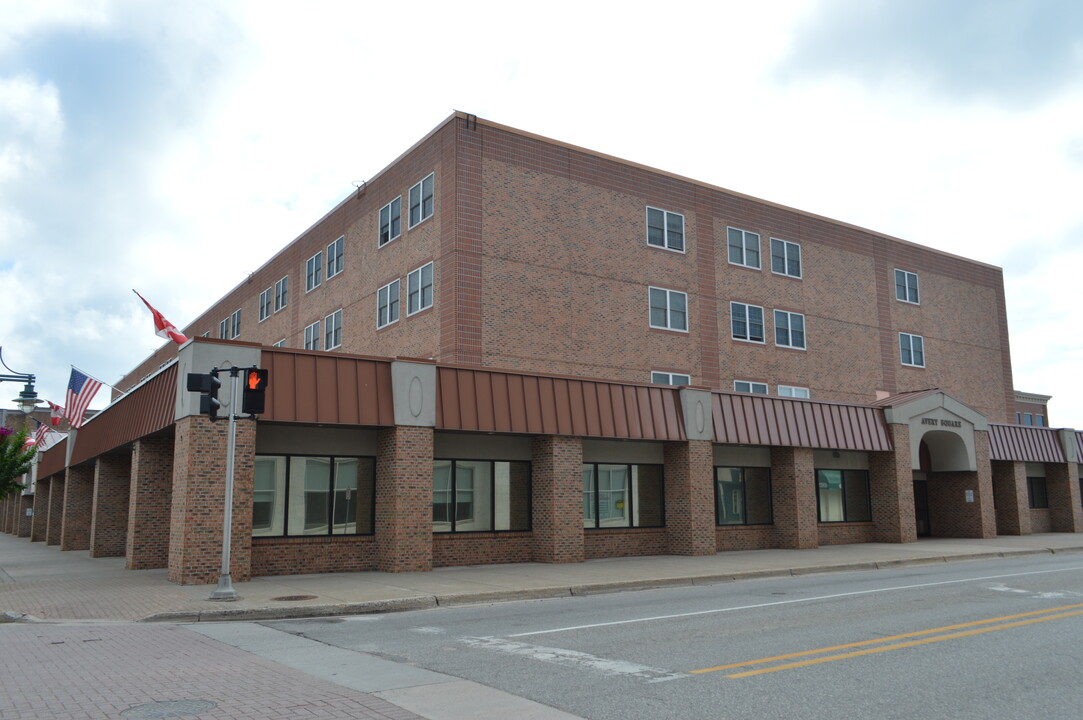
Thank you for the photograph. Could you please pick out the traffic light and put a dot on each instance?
(253, 394)
(207, 384)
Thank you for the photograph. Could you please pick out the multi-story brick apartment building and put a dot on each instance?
(462, 356)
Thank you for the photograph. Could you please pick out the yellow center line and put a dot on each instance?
(912, 643)
(883, 639)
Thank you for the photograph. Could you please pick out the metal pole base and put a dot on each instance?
(224, 591)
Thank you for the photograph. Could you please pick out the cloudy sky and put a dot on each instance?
(173, 147)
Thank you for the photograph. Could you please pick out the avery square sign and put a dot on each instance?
(942, 423)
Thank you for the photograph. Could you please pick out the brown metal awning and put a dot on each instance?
(1021, 443)
(762, 420)
(316, 387)
(489, 401)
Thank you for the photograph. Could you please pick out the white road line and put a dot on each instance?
(787, 602)
(572, 658)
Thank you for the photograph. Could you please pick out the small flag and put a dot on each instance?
(162, 327)
(42, 431)
(81, 390)
(56, 413)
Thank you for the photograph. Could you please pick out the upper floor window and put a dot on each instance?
(282, 292)
(666, 378)
(312, 336)
(223, 329)
(789, 329)
(1039, 420)
(280, 343)
(421, 200)
(785, 258)
(390, 221)
(419, 289)
(387, 304)
(912, 350)
(665, 229)
(744, 247)
(746, 322)
(314, 271)
(906, 286)
(335, 261)
(745, 386)
(622, 496)
(791, 391)
(332, 330)
(669, 309)
(235, 324)
(265, 304)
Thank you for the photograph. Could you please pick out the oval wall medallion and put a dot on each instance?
(701, 420)
(417, 398)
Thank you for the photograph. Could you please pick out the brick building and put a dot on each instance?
(504, 348)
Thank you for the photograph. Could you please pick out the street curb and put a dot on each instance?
(370, 607)
(622, 585)
(812, 570)
(456, 599)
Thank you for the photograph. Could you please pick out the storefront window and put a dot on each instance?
(480, 495)
(742, 496)
(622, 496)
(843, 495)
(303, 495)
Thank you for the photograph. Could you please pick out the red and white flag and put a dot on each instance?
(42, 431)
(56, 413)
(81, 390)
(162, 327)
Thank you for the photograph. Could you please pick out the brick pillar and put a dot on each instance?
(689, 493)
(198, 501)
(5, 514)
(557, 495)
(40, 521)
(109, 518)
(1011, 500)
(56, 510)
(891, 481)
(78, 498)
(404, 498)
(1062, 487)
(26, 505)
(150, 497)
(793, 497)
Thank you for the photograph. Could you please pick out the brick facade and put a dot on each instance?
(1010, 496)
(793, 498)
(689, 494)
(150, 500)
(891, 484)
(56, 510)
(1062, 488)
(109, 521)
(78, 504)
(39, 523)
(404, 499)
(558, 499)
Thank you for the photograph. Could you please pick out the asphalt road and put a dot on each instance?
(983, 639)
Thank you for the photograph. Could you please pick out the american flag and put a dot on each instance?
(39, 436)
(81, 390)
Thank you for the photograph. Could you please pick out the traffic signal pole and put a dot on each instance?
(225, 590)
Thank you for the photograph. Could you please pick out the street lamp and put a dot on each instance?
(28, 399)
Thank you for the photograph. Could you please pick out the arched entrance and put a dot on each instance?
(942, 455)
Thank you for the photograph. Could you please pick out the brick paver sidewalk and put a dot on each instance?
(62, 672)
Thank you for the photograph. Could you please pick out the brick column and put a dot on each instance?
(198, 501)
(793, 497)
(6, 513)
(557, 495)
(1062, 487)
(40, 521)
(891, 480)
(78, 499)
(109, 517)
(689, 493)
(1010, 495)
(404, 498)
(150, 497)
(56, 510)
(26, 503)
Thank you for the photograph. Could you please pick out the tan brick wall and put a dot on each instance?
(150, 503)
(109, 524)
(689, 498)
(557, 481)
(404, 499)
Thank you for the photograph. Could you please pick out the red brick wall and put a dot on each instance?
(109, 524)
(39, 524)
(1062, 487)
(846, 533)
(949, 513)
(746, 537)
(150, 503)
(689, 498)
(26, 502)
(450, 549)
(625, 542)
(1040, 521)
(1012, 503)
(557, 492)
(793, 497)
(404, 499)
(891, 484)
(302, 555)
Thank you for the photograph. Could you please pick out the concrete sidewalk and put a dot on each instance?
(39, 582)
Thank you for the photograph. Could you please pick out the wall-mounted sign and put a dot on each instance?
(942, 423)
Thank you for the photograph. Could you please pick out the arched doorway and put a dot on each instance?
(942, 503)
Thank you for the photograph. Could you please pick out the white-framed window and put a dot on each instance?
(744, 247)
(906, 287)
(668, 378)
(314, 272)
(332, 330)
(312, 336)
(387, 304)
(282, 293)
(746, 322)
(235, 324)
(785, 258)
(665, 229)
(793, 392)
(668, 309)
(390, 221)
(335, 261)
(789, 329)
(280, 343)
(1039, 420)
(223, 329)
(419, 289)
(421, 200)
(747, 386)
(265, 304)
(912, 350)
(206, 334)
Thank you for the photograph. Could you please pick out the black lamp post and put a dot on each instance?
(28, 399)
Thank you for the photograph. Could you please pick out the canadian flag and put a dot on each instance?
(162, 327)
(55, 413)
